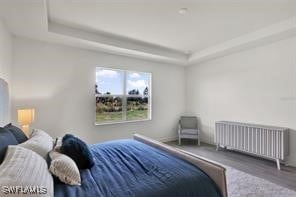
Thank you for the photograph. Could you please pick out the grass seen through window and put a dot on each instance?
(122, 96)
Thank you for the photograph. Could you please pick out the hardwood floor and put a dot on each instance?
(262, 168)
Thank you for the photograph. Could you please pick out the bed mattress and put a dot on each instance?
(130, 168)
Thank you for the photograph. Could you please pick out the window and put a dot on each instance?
(122, 96)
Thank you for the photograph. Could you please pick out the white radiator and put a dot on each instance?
(265, 141)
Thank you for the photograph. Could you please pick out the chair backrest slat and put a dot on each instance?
(188, 122)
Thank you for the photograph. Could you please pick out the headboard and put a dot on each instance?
(4, 102)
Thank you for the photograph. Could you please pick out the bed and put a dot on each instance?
(139, 167)
(144, 167)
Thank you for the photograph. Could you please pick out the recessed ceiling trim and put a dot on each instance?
(263, 36)
(117, 42)
(134, 48)
(83, 35)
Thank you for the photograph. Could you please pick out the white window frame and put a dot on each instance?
(124, 97)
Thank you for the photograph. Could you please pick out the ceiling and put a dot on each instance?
(207, 22)
(152, 29)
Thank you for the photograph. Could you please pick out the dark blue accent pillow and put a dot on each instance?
(17, 132)
(6, 138)
(78, 150)
(67, 136)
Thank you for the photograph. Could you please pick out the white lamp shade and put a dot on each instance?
(25, 116)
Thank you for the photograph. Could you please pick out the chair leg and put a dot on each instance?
(179, 141)
(198, 141)
(217, 147)
(278, 164)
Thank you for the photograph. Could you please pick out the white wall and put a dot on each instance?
(257, 86)
(5, 52)
(59, 82)
(5, 55)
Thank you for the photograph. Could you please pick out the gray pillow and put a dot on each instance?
(27, 170)
(39, 142)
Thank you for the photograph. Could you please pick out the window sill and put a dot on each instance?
(121, 122)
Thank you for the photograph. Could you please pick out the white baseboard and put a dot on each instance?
(290, 162)
(207, 141)
(168, 139)
(174, 138)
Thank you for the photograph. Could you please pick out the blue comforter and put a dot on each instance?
(130, 168)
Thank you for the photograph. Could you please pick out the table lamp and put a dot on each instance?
(25, 117)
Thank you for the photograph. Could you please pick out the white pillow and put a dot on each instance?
(25, 171)
(64, 168)
(39, 142)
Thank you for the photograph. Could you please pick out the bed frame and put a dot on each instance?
(214, 170)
